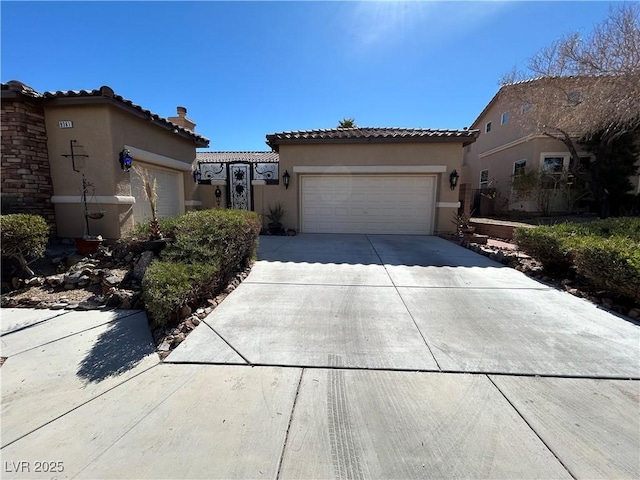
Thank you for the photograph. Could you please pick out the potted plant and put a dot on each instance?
(156, 240)
(276, 212)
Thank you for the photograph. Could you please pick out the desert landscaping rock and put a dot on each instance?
(55, 280)
(184, 312)
(142, 264)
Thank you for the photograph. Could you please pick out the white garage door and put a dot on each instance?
(169, 194)
(368, 204)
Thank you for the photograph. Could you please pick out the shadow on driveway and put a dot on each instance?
(124, 344)
(397, 250)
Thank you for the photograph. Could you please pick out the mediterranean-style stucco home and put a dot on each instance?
(344, 180)
(505, 149)
(59, 146)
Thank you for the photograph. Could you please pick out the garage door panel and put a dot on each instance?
(168, 203)
(367, 204)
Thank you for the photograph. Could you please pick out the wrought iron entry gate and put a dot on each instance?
(240, 186)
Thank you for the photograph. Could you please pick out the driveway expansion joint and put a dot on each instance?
(230, 346)
(531, 427)
(20, 329)
(405, 305)
(409, 370)
(286, 435)
(117, 318)
(79, 406)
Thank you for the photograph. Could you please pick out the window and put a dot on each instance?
(484, 179)
(553, 165)
(552, 168)
(487, 127)
(505, 118)
(526, 106)
(519, 167)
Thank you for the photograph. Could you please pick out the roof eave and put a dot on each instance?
(275, 142)
(199, 141)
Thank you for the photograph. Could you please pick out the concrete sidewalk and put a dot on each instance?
(84, 395)
(69, 412)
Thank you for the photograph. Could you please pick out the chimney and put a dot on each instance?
(181, 120)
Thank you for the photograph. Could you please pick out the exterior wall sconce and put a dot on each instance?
(218, 195)
(285, 179)
(197, 176)
(453, 180)
(125, 160)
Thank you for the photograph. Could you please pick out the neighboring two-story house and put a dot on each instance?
(505, 149)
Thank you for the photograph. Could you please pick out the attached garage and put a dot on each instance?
(368, 180)
(400, 204)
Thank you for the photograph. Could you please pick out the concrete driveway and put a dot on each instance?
(339, 357)
(412, 303)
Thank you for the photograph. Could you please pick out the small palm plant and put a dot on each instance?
(462, 221)
(150, 189)
(347, 123)
(276, 212)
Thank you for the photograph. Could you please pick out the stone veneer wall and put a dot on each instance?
(26, 176)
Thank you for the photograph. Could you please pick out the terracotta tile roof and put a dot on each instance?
(20, 88)
(107, 92)
(228, 157)
(371, 134)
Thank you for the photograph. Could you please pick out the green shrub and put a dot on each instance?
(167, 286)
(208, 248)
(229, 237)
(23, 236)
(611, 264)
(622, 226)
(550, 245)
(606, 252)
(142, 231)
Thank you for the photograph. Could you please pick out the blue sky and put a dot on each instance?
(247, 69)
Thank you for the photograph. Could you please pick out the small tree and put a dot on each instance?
(616, 168)
(546, 188)
(23, 236)
(347, 123)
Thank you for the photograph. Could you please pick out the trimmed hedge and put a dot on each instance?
(168, 286)
(550, 245)
(142, 231)
(23, 236)
(611, 264)
(606, 252)
(208, 248)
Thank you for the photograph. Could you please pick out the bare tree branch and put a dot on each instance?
(583, 87)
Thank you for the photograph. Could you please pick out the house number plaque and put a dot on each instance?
(65, 124)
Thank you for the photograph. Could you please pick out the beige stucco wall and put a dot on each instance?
(486, 154)
(101, 131)
(357, 154)
(206, 194)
